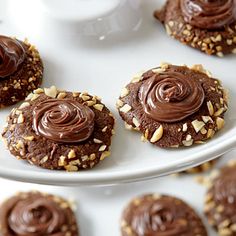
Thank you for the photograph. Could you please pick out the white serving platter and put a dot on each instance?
(102, 64)
(99, 210)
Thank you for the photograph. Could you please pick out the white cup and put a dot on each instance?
(97, 18)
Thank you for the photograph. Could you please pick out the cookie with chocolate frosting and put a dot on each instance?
(39, 214)
(160, 215)
(21, 70)
(60, 130)
(174, 106)
(220, 200)
(209, 26)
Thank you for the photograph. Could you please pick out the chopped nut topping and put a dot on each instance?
(198, 67)
(84, 97)
(225, 232)
(126, 108)
(98, 107)
(210, 133)
(75, 162)
(229, 41)
(203, 131)
(61, 161)
(104, 129)
(102, 148)
(128, 126)
(206, 119)
(219, 111)
(220, 208)
(124, 92)
(220, 54)
(104, 155)
(210, 108)
(18, 112)
(185, 127)
(71, 154)
(29, 138)
(20, 145)
(38, 90)
(137, 77)
(136, 122)
(233, 227)
(71, 168)
(51, 92)
(90, 103)
(84, 158)
(34, 97)
(157, 135)
(43, 160)
(75, 94)
(24, 105)
(20, 119)
(146, 133)
(92, 157)
(128, 230)
(198, 125)
(171, 23)
(188, 141)
(29, 96)
(168, 30)
(97, 140)
(119, 103)
(164, 65)
(188, 137)
(220, 123)
(143, 139)
(61, 95)
(158, 70)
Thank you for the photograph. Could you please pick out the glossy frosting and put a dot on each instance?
(63, 120)
(164, 217)
(12, 54)
(34, 215)
(209, 14)
(171, 96)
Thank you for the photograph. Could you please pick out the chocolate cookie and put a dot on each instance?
(60, 130)
(35, 213)
(155, 214)
(174, 105)
(220, 201)
(21, 70)
(209, 26)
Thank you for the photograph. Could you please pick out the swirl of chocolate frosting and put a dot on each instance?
(171, 96)
(63, 120)
(34, 215)
(12, 55)
(166, 216)
(209, 14)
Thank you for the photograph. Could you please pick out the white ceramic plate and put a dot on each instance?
(99, 209)
(78, 62)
